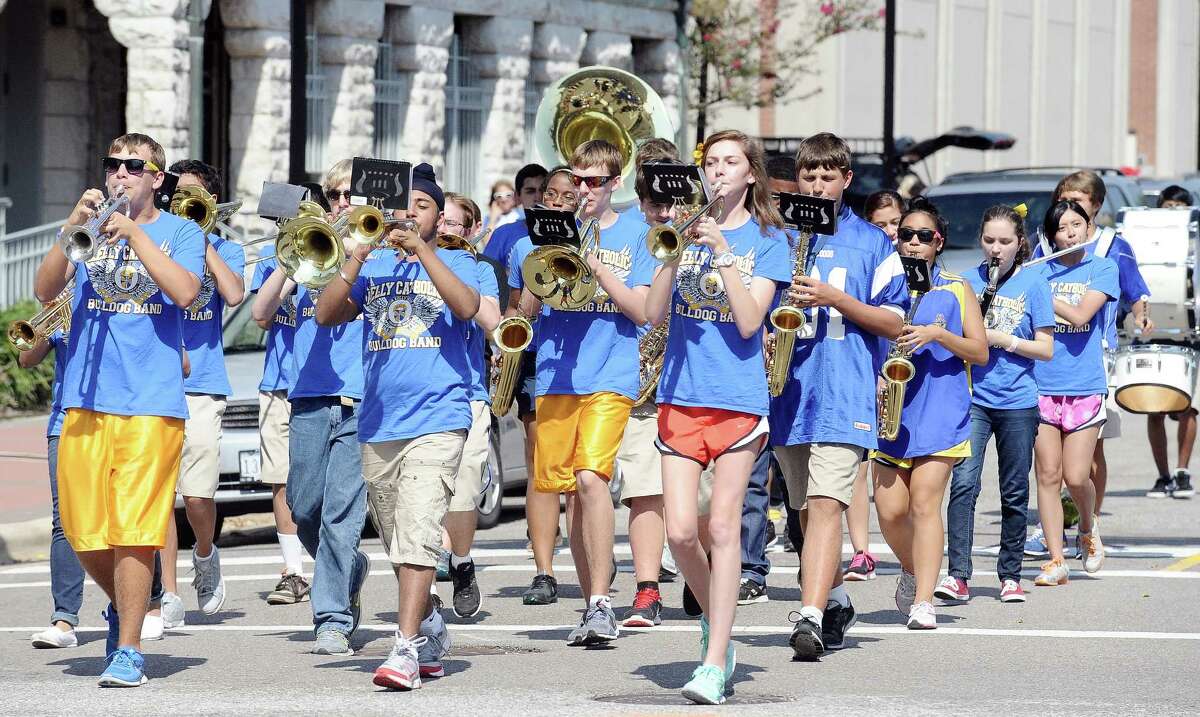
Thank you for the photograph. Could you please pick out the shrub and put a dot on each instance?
(23, 389)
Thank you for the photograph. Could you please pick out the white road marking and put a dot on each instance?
(693, 628)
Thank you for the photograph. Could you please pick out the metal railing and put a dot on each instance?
(20, 254)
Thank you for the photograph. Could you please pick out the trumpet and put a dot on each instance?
(79, 240)
(511, 336)
(787, 320)
(559, 275)
(897, 371)
(454, 241)
(54, 316)
(667, 242)
(196, 204)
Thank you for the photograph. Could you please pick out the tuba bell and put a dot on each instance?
(511, 336)
(600, 103)
(195, 203)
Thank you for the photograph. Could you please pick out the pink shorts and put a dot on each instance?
(1072, 413)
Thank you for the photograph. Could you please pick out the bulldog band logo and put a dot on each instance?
(671, 183)
(118, 279)
(380, 182)
(401, 313)
(800, 211)
(208, 284)
(549, 227)
(703, 290)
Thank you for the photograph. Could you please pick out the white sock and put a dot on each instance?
(430, 624)
(1181, 469)
(815, 614)
(206, 558)
(290, 546)
(598, 599)
(456, 561)
(840, 596)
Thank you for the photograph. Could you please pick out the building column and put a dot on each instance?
(348, 33)
(657, 62)
(258, 39)
(421, 36)
(155, 32)
(613, 49)
(556, 51)
(501, 47)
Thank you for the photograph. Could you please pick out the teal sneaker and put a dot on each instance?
(125, 669)
(707, 686)
(730, 652)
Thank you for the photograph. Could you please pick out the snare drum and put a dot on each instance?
(1154, 378)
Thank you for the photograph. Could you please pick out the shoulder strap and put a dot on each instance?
(1105, 242)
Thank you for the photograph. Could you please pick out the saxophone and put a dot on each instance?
(511, 336)
(787, 319)
(897, 371)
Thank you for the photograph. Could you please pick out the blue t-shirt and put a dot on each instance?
(202, 326)
(707, 362)
(413, 348)
(937, 401)
(1077, 368)
(328, 361)
(278, 362)
(501, 243)
(830, 396)
(593, 349)
(58, 342)
(1021, 307)
(486, 283)
(127, 336)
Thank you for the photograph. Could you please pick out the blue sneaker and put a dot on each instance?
(707, 686)
(1035, 547)
(114, 632)
(126, 669)
(730, 652)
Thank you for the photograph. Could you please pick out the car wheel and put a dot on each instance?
(491, 504)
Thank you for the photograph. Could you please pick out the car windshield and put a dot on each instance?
(240, 333)
(964, 211)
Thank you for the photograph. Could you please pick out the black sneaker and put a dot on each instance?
(646, 610)
(1162, 487)
(466, 600)
(772, 537)
(806, 638)
(751, 592)
(691, 608)
(837, 622)
(542, 591)
(1183, 485)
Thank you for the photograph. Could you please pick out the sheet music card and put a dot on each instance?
(383, 183)
(672, 183)
(801, 211)
(280, 200)
(551, 226)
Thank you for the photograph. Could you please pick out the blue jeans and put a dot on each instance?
(1015, 430)
(755, 565)
(328, 499)
(66, 574)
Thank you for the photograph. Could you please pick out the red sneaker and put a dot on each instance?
(1010, 591)
(952, 588)
(646, 610)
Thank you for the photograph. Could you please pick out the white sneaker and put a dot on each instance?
(1054, 572)
(1093, 555)
(152, 627)
(173, 613)
(52, 638)
(922, 617)
(209, 583)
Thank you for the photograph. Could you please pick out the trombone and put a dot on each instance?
(667, 242)
(54, 316)
(559, 275)
(195, 203)
(79, 240)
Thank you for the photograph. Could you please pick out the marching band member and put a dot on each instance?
(416, 408)
(325, 489)
(206, 388)
(587, 379)
(943, 337)
(1072, 387)
(713, 392)
(824, 421)
(460, 217)
(122, 436)
(1004, 400)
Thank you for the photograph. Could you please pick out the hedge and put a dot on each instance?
(23, 389)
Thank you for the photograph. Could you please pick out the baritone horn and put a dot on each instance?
(54, 316)
(79, 240)
(512, 336)
(559, 275)
(195, 203)
(787, 320)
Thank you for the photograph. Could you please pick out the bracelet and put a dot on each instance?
(1012, 345)
(345, 278)
(360, 261)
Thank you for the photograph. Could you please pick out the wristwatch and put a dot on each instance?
(722, 260)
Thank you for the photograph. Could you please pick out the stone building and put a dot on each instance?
(452, 82)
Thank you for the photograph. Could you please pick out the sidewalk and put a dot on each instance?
(24, 490)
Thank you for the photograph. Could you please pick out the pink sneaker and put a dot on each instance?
(952, 588)
(862, 567)
(1011, 591)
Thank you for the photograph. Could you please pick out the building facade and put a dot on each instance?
(452, 82)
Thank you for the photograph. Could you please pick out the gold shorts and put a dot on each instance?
(116, 478)
(576, 433)
(962, 450)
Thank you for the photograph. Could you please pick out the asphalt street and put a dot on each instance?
(1126, 641)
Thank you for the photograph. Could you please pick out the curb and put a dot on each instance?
(25, 541)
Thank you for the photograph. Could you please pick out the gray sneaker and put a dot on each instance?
(599, 625)
(332, 642)
(173, 614)
(209, 584)
(906, 592)
(434, 648)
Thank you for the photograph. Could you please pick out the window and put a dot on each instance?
(464, 122)
(391, 100)
(533, 97)
(317, 122)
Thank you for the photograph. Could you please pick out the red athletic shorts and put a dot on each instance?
(703, 434)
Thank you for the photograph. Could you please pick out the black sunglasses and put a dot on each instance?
(925, 236)
(133, 165)
(333, 195)
(593, 182)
